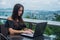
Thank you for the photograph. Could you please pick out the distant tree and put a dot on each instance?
(0, 22)
(56, 29)
(27, 16)
(48, 30)
(34, 17)
(57, 17)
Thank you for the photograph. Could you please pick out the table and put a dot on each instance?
(24, 38)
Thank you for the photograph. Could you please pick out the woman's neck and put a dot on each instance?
(17, 20)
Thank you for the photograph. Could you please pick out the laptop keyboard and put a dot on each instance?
(31, 35)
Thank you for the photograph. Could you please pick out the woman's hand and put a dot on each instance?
(27, 32)
(31, 30)
(26, 29)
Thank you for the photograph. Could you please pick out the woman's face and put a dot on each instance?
(20, 11)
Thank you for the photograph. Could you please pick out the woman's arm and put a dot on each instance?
(12, 31)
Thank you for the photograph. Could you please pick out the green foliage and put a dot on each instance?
(27, 16)
(52, 29)
(0, 22)
(27, 24)
(34, 17)
(56, 29)
(57, 17)
(48, 30)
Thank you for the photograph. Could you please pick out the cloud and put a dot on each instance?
(34, 4)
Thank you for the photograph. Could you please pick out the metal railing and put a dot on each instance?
(54, 23)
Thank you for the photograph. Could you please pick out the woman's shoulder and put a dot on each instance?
(10, 18)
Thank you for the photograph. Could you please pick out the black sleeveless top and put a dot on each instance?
(11, 24)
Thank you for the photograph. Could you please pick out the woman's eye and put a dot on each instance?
(20, 10)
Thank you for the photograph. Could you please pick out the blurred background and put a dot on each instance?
(36, 9)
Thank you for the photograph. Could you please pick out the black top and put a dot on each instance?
(11, 24)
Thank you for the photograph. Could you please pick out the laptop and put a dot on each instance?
(39, 30)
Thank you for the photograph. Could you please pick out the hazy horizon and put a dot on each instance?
(48, 5)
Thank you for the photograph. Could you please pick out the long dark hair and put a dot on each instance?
(15, 13)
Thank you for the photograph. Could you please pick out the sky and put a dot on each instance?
(32, 4)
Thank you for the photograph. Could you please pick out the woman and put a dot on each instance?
(15, 23)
